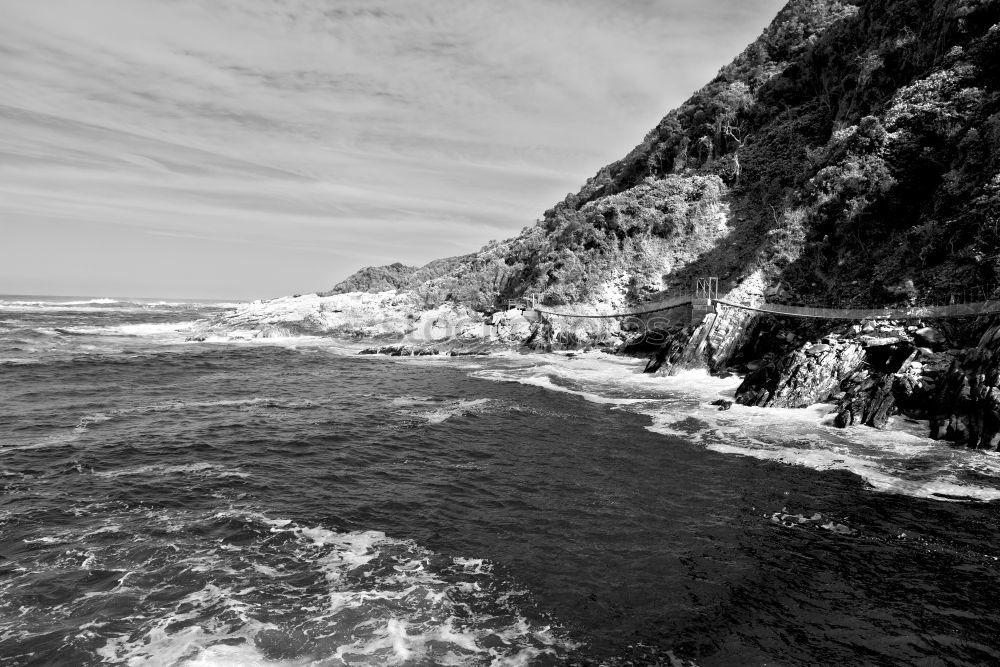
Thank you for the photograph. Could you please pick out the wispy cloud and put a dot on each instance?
(397, 130)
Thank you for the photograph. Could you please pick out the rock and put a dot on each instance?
(800, 378)
(689, 425)
(869, 400)
(540, 336)
(759, 387)
(401, 351)
(817, 349)
(991, 338)
(875, 341)
(966, 400)
(723, 404)
(670, 352)
(932, 338)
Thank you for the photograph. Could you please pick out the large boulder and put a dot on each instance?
(869, 399)
(540, 336)
(930, 338)
(809, 374)
(671, 350)
(966, 405)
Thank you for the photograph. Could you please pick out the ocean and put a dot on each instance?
(286, 501)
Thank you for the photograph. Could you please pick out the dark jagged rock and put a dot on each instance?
(759, 386)
(723, 404)
(881, 372)
(651, 341)
(401, 351)
(869, 399)
(540, 337)
(930, 338)
(802, 377)
(878, 341)
(670, 351)
(967, 400)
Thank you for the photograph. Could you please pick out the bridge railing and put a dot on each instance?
(705, 292)
(647, 309)
(906, 313)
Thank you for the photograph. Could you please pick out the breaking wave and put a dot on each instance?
(272, 591)
(437, 410)
(899, 459)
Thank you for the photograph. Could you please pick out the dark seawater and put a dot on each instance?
(288, 502)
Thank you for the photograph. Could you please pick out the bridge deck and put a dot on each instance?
(911, 313)
(657, 307)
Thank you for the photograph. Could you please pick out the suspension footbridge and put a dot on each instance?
(704, 299)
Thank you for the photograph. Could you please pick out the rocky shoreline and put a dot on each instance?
(946, 373)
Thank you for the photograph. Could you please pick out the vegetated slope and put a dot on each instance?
(375, 279)
(850, 154)
(396, 276)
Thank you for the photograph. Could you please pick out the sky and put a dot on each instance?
(240, 149)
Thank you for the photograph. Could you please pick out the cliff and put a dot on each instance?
(850, 156)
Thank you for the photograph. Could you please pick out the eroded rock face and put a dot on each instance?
(930, 338)
(966, 403)
(401, 351)
(810, 374)
(869, 399)
(540, 336)
(670, 351)
(880, 369)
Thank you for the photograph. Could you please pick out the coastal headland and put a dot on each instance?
(848, 159)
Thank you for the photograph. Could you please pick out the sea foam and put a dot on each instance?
(385, 601)
(899, 459)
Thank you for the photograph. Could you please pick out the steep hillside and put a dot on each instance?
(375, 279)
(850, 156)
(396, 276)
(853, 147)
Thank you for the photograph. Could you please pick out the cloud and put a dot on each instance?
(421, 126)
